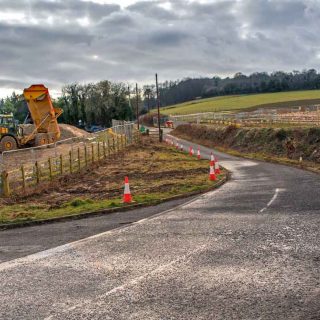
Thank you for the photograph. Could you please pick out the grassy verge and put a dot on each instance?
(258, 155)
(157, 173)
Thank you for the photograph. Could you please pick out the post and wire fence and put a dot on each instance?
(27, 168)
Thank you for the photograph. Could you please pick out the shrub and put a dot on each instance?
(281, 135)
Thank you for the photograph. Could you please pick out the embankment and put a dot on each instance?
(290, 144)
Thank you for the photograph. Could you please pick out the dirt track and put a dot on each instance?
(14, 160)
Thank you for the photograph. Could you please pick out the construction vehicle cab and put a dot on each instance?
(8, 130)
(44, 116)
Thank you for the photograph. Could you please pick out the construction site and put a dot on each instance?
(198, 194)
(159, 160)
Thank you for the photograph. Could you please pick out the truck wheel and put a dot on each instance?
(40, 140)
(51, 138)
(8, 143)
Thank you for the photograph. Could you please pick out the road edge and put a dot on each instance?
(112, 210)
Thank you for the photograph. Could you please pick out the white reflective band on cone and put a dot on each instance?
(126, 188)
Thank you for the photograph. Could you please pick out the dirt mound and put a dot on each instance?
(68, 131)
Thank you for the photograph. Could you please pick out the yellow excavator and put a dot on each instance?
(43, 115)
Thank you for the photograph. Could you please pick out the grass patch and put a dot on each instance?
(158, 172)
(234, 103)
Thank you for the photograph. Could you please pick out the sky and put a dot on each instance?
(56, 42)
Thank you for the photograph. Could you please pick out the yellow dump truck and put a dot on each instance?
(44, 116)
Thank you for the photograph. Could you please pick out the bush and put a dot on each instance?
(281, 135)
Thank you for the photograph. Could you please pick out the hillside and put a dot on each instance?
(241, 102)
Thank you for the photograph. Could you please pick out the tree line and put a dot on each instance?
(95, 103)
(84, 105)
(173, 92)
(99, 103)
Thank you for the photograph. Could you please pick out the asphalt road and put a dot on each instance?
(20, 242)
(249, 250)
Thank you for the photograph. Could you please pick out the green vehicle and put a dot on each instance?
(9, 131)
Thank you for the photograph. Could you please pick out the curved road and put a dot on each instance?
(250, 250)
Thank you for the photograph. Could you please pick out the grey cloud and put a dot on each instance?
(116, 23)
(274, 13)
(152, 9)
(131, 44)
(166, 38)
(67, 9)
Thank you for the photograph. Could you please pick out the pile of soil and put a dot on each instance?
(290, 143)
(67, 131)
(25, 156)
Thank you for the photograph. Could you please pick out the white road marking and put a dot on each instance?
(275, 196)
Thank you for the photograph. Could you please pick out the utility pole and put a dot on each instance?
(129, 96)
(137, 110)
(158, 105)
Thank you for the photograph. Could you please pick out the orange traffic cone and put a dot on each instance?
(212, 157)
(217, 167)
(212, 175)
(181, 147)
(127, 198)
(192, 151)
(198, 154)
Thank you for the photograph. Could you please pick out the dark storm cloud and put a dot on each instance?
(57, 42)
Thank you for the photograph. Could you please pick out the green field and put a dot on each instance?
(240, 102)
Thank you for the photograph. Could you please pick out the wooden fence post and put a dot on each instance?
(98, 150)
(121, 142)
(104, 150)
(37, 172)
(113, 145)
(5, 184)
(61, 163)
(92, 150)
(23, 178)
(86, 155)
(79, 160)
(125, 141)
(70, 161)
(108, 147)
(50, 168)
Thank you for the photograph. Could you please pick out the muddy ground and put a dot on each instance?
(71, 138)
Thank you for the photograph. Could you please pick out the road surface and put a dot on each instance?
(249, 250)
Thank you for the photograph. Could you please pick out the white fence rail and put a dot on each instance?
(262, 116)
